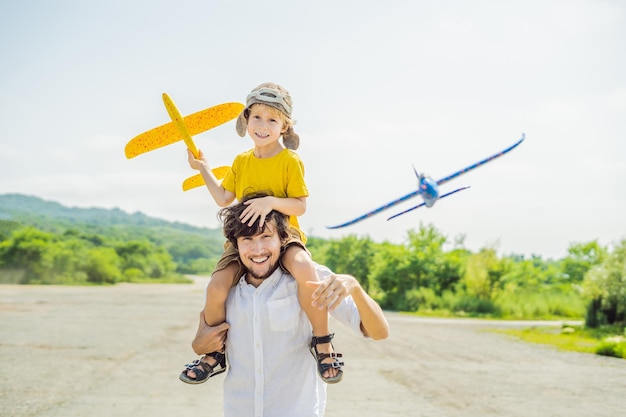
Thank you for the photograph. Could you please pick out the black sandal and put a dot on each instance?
(319, 357)
(203, 370)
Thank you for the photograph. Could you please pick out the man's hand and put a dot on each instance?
(333, 289)
(209, 339)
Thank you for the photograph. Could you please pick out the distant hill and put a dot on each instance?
(50, 215)
(139, 242)
(194, 249)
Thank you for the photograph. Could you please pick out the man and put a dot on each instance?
(271, 371)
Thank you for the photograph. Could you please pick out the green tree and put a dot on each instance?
(605, 287)
(191, 256)
(532, 274)
(427, 256)
(581, 257)
(28, 249)
(482, 274)
(399, 270)
(7, 228)
(102, 266)
(392, 271)
(451, 271)
(349, 255)
(69, 258)
(143, 255)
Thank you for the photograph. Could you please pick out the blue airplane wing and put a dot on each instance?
(376, 211)
(484, 161)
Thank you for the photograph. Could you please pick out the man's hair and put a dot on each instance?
(233, 228)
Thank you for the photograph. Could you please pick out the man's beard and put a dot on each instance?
(268, 274)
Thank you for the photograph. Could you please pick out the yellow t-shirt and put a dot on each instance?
(281, 176)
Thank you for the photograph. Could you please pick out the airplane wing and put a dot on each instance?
(484, 161)
(423, 204)
(376, 211)
(169, 133)
(198, 181)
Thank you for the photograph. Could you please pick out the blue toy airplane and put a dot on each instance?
(428, 189)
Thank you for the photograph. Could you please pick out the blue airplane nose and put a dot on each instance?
(429, 191)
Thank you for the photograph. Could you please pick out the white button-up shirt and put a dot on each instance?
(271, 372)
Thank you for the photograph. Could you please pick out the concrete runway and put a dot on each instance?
(117, 351)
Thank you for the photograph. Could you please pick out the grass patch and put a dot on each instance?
(162, 280)
(540, 305)
(607, 341)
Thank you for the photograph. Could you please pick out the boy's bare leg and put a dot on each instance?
(214, 311)
(300, 265)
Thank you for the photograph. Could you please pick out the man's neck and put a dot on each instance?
(255, 282)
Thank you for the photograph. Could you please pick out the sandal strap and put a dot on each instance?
(334, 355)
(200, 364)
(202, 369)
(220, 357)
(323, 367)
(317, 340)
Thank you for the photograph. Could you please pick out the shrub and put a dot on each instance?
(422, 298)
(612, 346)
(474, 305)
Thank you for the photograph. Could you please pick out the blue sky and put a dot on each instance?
(377, 87)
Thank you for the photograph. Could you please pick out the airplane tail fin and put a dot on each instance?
(419, 177)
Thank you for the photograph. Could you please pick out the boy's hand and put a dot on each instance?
(257, 207)
(195, 163)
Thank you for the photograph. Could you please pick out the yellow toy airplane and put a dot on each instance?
(183, 128)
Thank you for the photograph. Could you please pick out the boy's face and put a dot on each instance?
(260, 253)
(265, 126)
